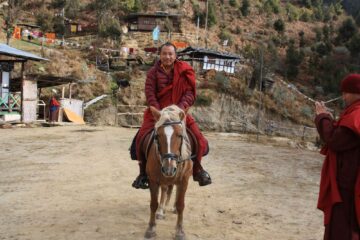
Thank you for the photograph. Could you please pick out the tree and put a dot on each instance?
(72, 8)
(233, 3)
(272, 6)
(59, 26)
(279, 25)
(347, 30)
(354, 45)
(302, 39)
(199, 14)
(292, 12)
(293, 60)
(45, 20)
(245, 8)
(11, 14)
(110, 27)
(212, 14)
(306, 3)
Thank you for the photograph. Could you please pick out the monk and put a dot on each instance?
(169, 82)
(339, 196)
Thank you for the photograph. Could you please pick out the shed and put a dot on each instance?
(23, 102)
(148, 21)
(210, 59)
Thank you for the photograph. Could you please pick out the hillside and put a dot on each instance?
(307, 46)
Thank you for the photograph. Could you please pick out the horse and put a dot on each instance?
(168, 163)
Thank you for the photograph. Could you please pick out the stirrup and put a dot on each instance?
(141, 182)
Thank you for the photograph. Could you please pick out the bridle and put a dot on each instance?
(172, 156)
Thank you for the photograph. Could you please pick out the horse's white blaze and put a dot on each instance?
(169, 130)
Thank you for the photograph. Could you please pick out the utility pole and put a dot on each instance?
(206, 22)
(63, 16)
(260, 88)
(197, 31)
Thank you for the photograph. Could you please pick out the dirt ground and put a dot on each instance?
(75, 183)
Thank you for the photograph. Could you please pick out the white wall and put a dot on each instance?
(29, 101)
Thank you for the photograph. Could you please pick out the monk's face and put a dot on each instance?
(167, 56)
(349, 98)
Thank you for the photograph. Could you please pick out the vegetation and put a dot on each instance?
(324, 49)
(293, 60)
(11, 14)
(245, 8)
(279, 26)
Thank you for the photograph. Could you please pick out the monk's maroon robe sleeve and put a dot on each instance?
(188, 98)
(338, 139)
(150, 89)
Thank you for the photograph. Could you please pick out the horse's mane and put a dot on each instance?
(172, 113)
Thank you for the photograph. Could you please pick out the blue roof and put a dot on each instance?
(14, 52)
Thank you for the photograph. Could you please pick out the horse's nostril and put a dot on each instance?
(174, 170)
(163, 169)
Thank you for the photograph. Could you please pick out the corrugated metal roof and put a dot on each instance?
(204, 51)
(156, 14)
(14, 52)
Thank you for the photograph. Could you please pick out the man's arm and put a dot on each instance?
(337, 138)
(150, 89)
(188, 98)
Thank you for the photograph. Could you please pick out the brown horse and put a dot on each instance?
(168, 163)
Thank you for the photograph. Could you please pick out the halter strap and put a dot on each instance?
(179, 159)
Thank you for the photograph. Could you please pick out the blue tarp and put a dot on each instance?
(10, 51)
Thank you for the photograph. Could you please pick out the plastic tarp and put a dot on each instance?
(73, 117)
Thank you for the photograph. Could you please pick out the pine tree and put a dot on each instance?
(293, 60)
(245, 8)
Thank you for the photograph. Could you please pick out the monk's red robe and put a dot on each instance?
(164, 89)
(339, 196)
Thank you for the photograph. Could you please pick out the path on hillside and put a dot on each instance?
(74, 183)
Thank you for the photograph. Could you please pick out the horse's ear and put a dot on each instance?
(156, 113)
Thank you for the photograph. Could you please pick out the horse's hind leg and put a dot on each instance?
(160, 213)
(168, 194)
(151, 230)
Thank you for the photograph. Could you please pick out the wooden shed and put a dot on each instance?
(148, 21)
(21, 103)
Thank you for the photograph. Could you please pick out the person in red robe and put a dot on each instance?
(168, 82)
(54, 107)
(339, 196)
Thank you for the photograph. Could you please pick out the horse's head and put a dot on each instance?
(171, 141)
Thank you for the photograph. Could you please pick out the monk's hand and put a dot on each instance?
(320, 108)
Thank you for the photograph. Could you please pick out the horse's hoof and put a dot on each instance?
(180, 237)
(149, 235)
(160, 216)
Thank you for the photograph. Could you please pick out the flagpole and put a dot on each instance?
(206, 22)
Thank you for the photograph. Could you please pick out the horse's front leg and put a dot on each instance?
(154, 192)
(180, 205)
(160, 213)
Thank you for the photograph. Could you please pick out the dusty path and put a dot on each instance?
(74, 183)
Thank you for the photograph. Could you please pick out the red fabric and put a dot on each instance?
(163, 90)
(54, 102)
(351, 84)
(329, 192)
